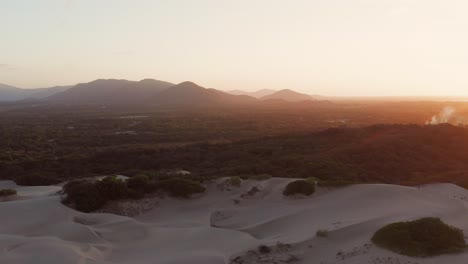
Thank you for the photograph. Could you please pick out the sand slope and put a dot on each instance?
(226, 225)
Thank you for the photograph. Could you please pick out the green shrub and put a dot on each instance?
(112, 188)
(245, 176)
(178, 187)
(139, 183)
(312, 180)
(420, 238)
(84, 195)
(87, 196)
(322, 233)
(70, 187)
(235, 181)
(264, 249)
(7, 192)
(299, 187)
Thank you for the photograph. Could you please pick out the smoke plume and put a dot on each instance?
(444, 116)
(448, 115)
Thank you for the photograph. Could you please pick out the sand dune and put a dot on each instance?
(226, 225)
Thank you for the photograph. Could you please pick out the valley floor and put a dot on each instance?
(227, 224)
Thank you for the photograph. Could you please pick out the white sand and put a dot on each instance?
(226, 226)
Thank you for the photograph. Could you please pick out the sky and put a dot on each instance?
(327, 47)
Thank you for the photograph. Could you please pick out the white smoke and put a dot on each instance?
(446, 115)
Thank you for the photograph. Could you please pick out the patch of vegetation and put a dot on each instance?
(112, 188)
(235, 181)
(84, 195)
(299, 187)
(420, 238)
(182, 188)
(89, 195)
(139, 182)
(139, 185)
(322, 233)
(7, 192)
(312, 180)
(264, 249)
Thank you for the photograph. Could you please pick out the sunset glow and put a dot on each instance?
(327, 47)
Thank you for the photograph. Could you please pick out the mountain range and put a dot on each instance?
(111, 92)
(257, 94)
(146, 92)
(284, 95)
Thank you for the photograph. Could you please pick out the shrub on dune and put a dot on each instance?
(178, 187)
(139, 185)
(420, 238)
(299, 187)
(235, 181)
(7, 192)
(88, 195)
(84, 195)
(312, 180)
(322, 233)
(264, 249)
(112, 188)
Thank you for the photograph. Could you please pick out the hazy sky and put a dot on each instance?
(329, 47)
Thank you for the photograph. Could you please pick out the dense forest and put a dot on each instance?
(332, 142)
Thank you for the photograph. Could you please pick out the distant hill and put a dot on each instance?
(256, 94)
(111, 91)
(288, 95)
(191, 94)
(40, 93)
(11, 93)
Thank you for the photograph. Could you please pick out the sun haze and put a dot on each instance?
(328, 47)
